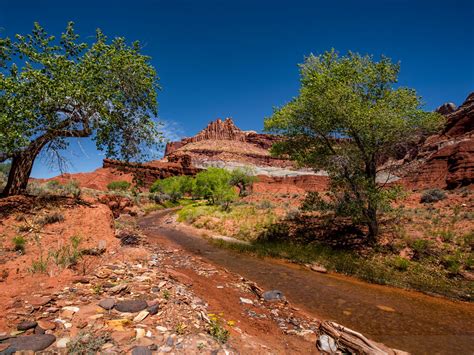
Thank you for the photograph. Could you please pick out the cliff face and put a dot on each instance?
(223, 141)
(446, 160)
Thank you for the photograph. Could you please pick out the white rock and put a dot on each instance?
(161, 329)
(141, 316)
(62, 343)
(245, 300)
(149, 334)
(71, 308)
(140, 333)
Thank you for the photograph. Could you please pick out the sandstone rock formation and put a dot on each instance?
(446, 160)
(224, 141)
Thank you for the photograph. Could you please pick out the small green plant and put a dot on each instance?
(120, 185)
(200, 346)
(180, 328)
(39, 266)
(86, 343)
(97, 289)
(73, 188)
(67, 255)
(166, 294)
(400, 263)
(452, 263)
(53, 185)
(433, 195)
(447, 235)
(421, 247)
(217, 330)
(19, 243)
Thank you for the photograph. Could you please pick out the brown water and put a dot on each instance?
(419, 324)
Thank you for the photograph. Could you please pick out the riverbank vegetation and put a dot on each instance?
(423, 246)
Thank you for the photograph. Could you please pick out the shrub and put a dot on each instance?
(19, 243)
(217, 330)
(421, 247)
(214, 185)
(433, 195)
(50, 218)
(120, 185)
(243, 178)
(175, 187)
(73, 188)
(400, 263)
(265, 205)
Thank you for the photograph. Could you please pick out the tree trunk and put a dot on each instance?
(373, 224)
(19, 174)
(20, 170)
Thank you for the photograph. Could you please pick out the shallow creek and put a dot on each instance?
(405, 320)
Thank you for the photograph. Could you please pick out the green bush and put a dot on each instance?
(421, 247)
(119, 185)
(174, 187)
(243, 178)
(19, 243)
(214, 185)
(433, 195)
(400, 263)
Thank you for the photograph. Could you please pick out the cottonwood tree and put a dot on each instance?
(349, 119)
(53, 89)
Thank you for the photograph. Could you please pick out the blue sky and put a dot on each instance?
(239, 58)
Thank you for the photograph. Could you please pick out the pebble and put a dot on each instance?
(273, 295)
(161, 329)
(107, 303)
(131, 306)
(26, 325)
(62, 343)
(31, 342)
(245, 300)
(119, 288)
(141, 350)
(139, 333)
(153, 309)
(141, 316)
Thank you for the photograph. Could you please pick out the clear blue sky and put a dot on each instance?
(239, 58)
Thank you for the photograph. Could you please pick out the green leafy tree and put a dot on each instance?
(243, 178)
(214, 185)
(349, 119)
(175, 187)
(53, 89)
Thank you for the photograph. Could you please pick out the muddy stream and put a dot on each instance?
(405, 320)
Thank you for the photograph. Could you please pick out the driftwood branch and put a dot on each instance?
(354, 342)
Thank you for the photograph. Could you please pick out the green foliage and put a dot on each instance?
(421, 247)
(243, 178)
(348, 119)
(119, 185)
(88, 343)
(19, 243)
(400, 263)
(39, 266)
(174, 187)
(433, 195)
(67, 255)
(217, 330)
(53, 88)
(214, 185)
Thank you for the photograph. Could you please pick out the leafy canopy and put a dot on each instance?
(54, 88)
(349, 119)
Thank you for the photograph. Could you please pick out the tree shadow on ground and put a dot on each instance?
(336, 232)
